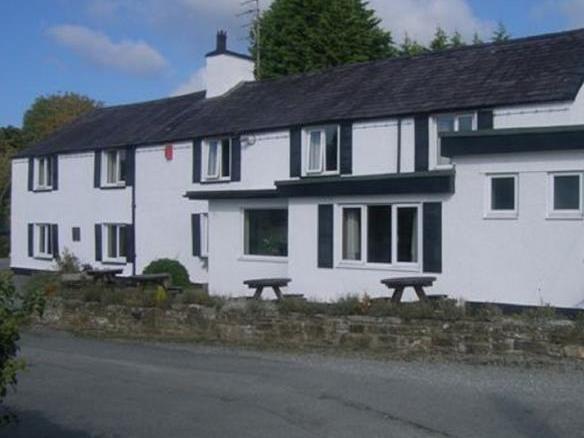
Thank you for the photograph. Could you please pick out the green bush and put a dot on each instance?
(348, 305)
(178, 273)
(293, 305)
(68, 263)
(200, 297)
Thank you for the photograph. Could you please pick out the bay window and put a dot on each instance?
(380, 234)
(322, 150)
(218, 159)
(266, 232)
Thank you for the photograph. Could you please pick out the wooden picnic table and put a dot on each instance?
(104, 275)
(399, 284)
(143, 280)
(260, 283)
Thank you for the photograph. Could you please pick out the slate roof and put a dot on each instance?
(546, 68)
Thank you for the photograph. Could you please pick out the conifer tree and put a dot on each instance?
(440, 41)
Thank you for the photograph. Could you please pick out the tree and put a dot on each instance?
(411, 47)
(48, 113)
(15, 309)
(440, 41)
(500, 34)
(11, 140)
(306, 35)
(456, 40)
(476, 39)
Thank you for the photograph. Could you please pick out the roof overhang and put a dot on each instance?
(517, 140)
(431, 182)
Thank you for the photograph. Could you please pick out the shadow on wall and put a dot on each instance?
(35, 424)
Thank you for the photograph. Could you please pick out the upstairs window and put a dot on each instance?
(452, 123)
(565, 199)
(501, 196)
(115, 167)
(322, 150)
(218, 159)
(115, 243)
(44, 167)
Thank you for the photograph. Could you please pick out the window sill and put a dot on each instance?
(47, 258)
(444, 166)
(113, 186)
(565, 216)
(114, 262)
(379, 267)
(216, 181)
(268, 259)
(320, 174)
(42, 189)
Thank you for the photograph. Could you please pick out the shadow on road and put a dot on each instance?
(35, 424)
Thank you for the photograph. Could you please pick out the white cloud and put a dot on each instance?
(419, 18)
(573, 11)
(134, 57)
(196, 82)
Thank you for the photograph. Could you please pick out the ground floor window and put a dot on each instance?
(380, 234)
(266, 232)
(565, 195)
(501, 199)
(115, 240)
(44, 241)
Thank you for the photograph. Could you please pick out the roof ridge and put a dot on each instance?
(151, 101)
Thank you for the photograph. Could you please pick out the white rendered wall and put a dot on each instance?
(75, 204)
(163, 214)
(223, 72)
(528, 260)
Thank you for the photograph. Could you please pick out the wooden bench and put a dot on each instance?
(148, 279)
(399, 284)
(105, 276)
(260, 283)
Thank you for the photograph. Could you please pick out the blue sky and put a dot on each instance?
(120, 51)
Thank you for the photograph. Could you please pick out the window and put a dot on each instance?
(352, 233)
(44, 241)
(44, 173)
(501, 196)
(322, 150)
(452, 123)
(116, 166)
(76, 234)
(386, 233)
(115, 242)
(266, 232)
(565, 200)
(218, 163)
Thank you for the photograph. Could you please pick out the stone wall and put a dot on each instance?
(238, 323)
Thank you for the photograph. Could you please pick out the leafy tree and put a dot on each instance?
(48, 113)
(411, 47)
(500, 34)
(15, 309)
(440, 41)
(476, 39)
(456, 40)
(306, 35)
(11, 140)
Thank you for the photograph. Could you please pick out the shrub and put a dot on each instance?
(68, 263)
(178, 273)
(46, 283)
(292, 305)
(540, 313)
(202, 298)
(156, 298)
(348, 305)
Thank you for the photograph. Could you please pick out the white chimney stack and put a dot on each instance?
(226, 69)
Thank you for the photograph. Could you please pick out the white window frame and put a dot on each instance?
(204, 235)
(394, 264)
(105, 233)
(48, 244)
(552, 213)
(261, 258)
(489, 213)
(218, 175)
(438, 146)
(44, 166)
(321, 170)
(118, 181)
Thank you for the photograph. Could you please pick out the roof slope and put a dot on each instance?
(547, 68)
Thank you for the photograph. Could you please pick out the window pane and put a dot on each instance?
(352, 234)
(42, 239)
(122, 240)
(314, 153)
(332, 148)
(112, 168)
(407, 234)
(445, 124)
(266, 232)
(48, 172)
(41, 180)
(379, 234)
(503, 193)
(465, 123)
(123, 166)
(112, 241)
(225, 157)
(212, 159)
(567, 192)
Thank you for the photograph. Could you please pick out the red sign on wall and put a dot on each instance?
(168, 152)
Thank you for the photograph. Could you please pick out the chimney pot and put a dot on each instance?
(221, 41)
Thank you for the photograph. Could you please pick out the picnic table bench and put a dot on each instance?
(260, 283)
(149, 279)
(399, 284)
(104, 275)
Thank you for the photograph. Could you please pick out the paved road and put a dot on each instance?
(79, 388)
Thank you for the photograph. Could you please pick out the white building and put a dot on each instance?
(466, 164)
